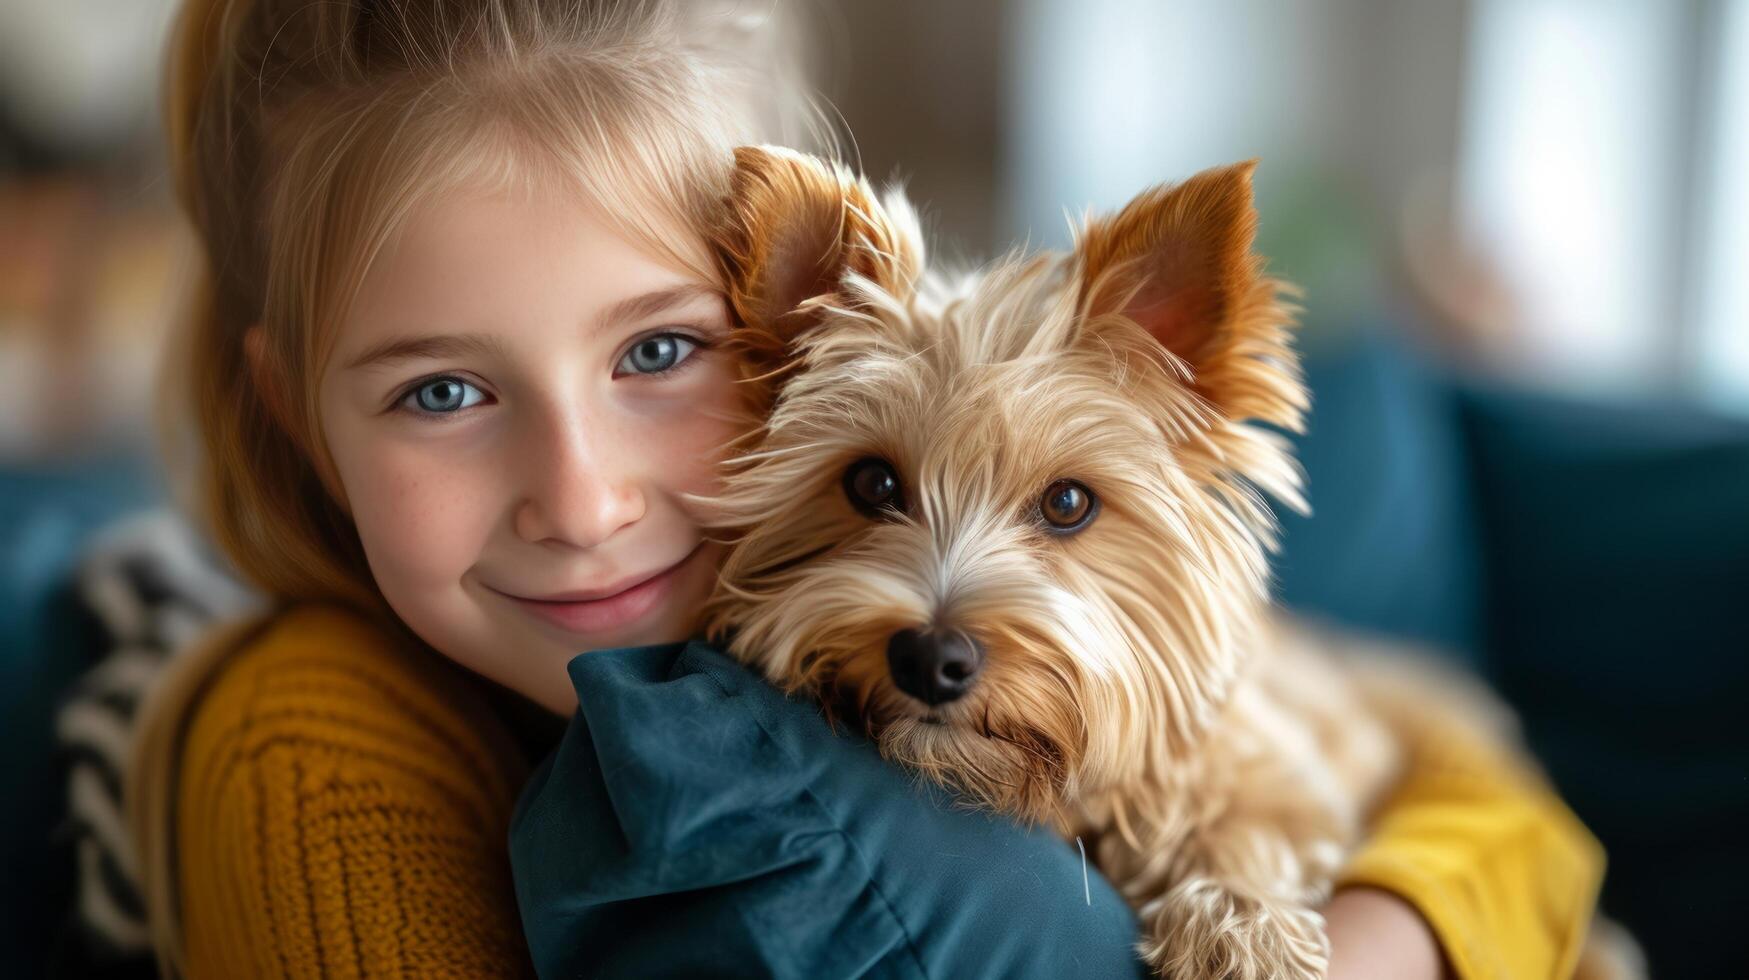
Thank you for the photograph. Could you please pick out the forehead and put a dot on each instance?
(500, 261)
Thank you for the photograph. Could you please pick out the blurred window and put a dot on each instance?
(1603, 159)
(1567, 173)
(1722, 351)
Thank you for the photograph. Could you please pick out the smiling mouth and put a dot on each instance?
(612, 591)
(594, 612)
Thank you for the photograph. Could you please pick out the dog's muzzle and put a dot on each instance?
(934, 668)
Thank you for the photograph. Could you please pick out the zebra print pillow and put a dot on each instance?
(153, 587)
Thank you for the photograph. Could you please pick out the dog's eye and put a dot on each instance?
(1067, 506)
(873, 488)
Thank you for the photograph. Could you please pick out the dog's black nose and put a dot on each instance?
(934, 668)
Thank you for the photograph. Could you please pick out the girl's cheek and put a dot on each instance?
(422, 517)
(714, 418)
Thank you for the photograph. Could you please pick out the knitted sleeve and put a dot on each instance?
(342, 811)
(1478, 842)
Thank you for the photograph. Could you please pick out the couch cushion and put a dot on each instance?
(1390, 544)
(1618, 572)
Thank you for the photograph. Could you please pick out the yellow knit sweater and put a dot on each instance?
(343, 811)
(344, 806)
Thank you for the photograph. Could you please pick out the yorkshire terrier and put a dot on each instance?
(1015, 526)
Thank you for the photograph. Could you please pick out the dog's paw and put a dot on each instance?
(1202, 931)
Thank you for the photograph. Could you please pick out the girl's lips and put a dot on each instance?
(608, 612)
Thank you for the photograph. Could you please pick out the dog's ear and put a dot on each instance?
(798, 229)
(1178, 261)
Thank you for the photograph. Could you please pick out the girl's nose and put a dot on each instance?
(578, 493)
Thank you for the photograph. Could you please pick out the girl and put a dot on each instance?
(315, 791)
(459, 360)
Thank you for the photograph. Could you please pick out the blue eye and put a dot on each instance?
(441, 396)
(656, 354)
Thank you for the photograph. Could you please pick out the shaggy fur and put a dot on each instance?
(1136, 691)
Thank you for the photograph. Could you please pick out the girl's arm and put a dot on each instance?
(1377, 935)
(342, 811)
(1474, 867)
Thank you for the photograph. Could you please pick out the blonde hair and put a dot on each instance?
(300, 135)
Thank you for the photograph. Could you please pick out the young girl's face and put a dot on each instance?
(514, 407)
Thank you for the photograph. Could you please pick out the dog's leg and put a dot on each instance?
(1231, 893)
(1240, 908)
(1232, 890)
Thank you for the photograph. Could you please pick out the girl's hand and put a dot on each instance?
(1375, 935)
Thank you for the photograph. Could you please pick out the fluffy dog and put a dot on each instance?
(1014, 526)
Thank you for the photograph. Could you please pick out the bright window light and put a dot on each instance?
(1569, 177)
(1722, 350)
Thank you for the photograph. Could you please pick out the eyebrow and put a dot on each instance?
(458, 345)
(409, 348)
(650, 304)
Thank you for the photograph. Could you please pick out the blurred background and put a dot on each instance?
(1522, 227)
(1550, 188)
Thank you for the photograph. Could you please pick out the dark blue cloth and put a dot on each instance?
(695, 822)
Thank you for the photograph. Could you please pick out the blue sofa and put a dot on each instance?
(1592, 561)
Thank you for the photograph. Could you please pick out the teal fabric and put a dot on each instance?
(695, 822)
(1618, 588)
(1392, 545)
